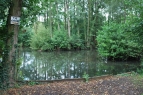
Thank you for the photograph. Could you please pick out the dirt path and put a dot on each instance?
(106, 86)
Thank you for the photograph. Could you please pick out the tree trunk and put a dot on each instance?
(14, 10)
(57, 12)
(68, 18)
(89, 23)
(65, 16)
(84, 21)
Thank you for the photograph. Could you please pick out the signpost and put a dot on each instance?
(15, 20)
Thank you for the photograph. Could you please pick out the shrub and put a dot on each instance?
(39, 40)
(48, 46)
(24, 37)
(43, 40)
(116, 43)
(60, 39)
(76, 42)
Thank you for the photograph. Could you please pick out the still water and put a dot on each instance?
(68, 64)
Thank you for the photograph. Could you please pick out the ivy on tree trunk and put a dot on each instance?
(14, 10)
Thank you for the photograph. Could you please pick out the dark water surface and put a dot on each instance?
(68, 64)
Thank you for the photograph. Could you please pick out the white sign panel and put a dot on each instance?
(15, 20)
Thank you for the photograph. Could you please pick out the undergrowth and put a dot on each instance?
(135, 77)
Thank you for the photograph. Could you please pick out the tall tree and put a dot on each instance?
(14, 10)
(9, 34)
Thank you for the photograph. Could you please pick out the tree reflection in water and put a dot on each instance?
(68, 64)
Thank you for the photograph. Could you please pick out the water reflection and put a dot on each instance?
(67, 64)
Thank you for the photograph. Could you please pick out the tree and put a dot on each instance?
(14, 10)
(124, 20)
(9, 36)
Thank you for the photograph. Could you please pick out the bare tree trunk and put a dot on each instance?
(68, 18)
(84, 22)
(50, 20)
(15, 10)
(58, 25)
(65, 16)
(89, 23)
(36, 27)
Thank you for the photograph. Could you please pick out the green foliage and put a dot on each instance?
(86, 77)
(16, 85)
(24, 37)
(137, 30)
(30, 10)
(32, 83)
(4, 77)
(4, 4)
(3, 55)
(47, 46)
(116, 43)
(19, 62)
(76, 42)
(60, 39)
(140, 70)
(19, 74)
(40, 38)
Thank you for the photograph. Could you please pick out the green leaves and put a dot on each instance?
(42, 40)
(40, 37)
(115, 42)
(86, 77)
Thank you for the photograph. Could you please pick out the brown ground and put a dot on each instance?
(112, 85)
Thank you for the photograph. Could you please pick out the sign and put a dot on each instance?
(15, 20)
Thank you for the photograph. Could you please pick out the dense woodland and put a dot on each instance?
(113, 27)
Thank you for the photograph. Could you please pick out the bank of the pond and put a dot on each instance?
(111, 85)
(85, 79)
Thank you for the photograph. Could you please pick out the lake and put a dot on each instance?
(68, 64)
